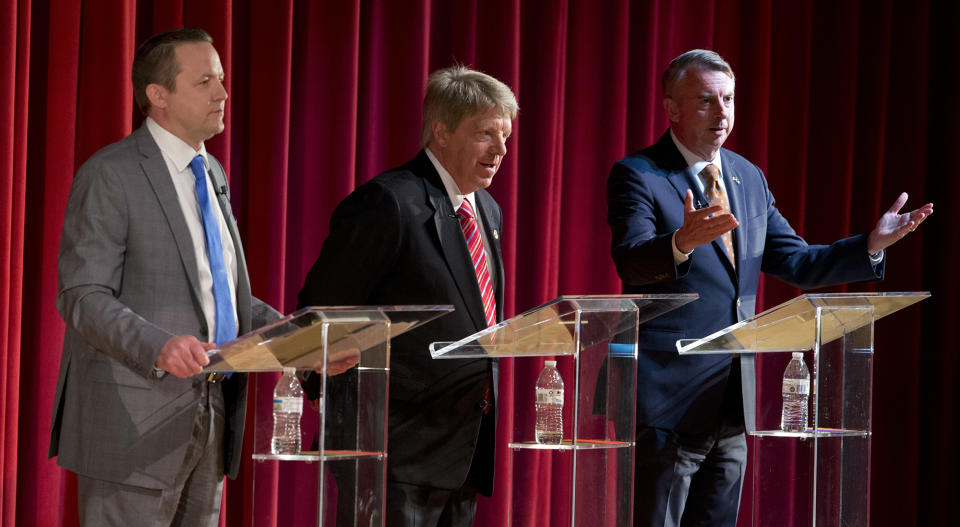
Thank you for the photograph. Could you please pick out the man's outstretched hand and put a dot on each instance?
(893, 226)
(701, 226)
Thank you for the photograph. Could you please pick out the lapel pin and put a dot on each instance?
(496, 235)
(735, 179)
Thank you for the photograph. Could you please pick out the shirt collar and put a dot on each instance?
(177, 151)
(694, 161)
(453, 190)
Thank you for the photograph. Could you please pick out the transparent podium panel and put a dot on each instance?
(817, 474)
(594, 340)
(338, 476)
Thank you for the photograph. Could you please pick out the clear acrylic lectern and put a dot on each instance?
(820, 476)
(341, 469)
(595, 341)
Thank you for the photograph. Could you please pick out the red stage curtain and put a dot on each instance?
(844, 104)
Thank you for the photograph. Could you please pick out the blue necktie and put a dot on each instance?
(226, 327)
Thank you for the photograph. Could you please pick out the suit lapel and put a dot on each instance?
(155, 168)
(491, 219)
(685, 179)
(453, 246)
(737, 206)
(680, 176)
(243, 279)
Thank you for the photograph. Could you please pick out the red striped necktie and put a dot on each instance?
(468, 223)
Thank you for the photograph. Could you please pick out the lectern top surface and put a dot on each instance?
(792, 326)
(317, 335)
(559, 326)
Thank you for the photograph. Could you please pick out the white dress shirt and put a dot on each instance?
(178, 154)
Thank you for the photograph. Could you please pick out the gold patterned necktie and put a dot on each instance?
(716, 196)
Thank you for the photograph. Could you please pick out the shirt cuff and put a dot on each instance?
(874, 258)
(678, 256)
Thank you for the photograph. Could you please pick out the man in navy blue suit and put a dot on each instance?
(688, 216)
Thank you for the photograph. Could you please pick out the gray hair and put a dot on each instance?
(155, 61)
(458, 92)
(695, 58)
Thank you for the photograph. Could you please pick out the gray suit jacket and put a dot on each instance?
(128, 283)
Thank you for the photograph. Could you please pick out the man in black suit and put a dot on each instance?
(688, 216)
(428, 233)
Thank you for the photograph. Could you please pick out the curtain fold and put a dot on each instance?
(937, 459)
(14, 58)
(842, 104)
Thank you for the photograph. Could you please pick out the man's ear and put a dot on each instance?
(672, 108)
(157, 95)
(440, 133)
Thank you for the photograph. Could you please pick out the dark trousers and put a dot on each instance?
(414, 506)
(686, 483)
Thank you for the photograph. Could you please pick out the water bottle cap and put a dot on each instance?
(289, 371)
(798, 354)
(551, 363)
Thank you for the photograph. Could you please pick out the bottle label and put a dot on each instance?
(547, 396)
(288, 405)
(797, 386)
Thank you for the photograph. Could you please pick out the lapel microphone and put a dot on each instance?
(221, 190)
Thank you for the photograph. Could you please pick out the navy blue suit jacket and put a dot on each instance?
(397, 240)
(645, 195)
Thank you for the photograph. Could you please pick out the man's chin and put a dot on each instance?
(214, 130)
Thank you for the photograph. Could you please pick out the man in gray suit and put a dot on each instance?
(152, 276)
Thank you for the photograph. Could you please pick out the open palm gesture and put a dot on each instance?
(893, 226)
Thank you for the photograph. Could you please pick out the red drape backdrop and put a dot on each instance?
(844, 104)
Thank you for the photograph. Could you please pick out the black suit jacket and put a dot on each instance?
(397, 240)
(645, 195)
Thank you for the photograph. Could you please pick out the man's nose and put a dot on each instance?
(500, 146)
(221, 94)
(726, 108)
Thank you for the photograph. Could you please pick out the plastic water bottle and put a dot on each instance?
(796, 392)
(549, 429)
(287, 409)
